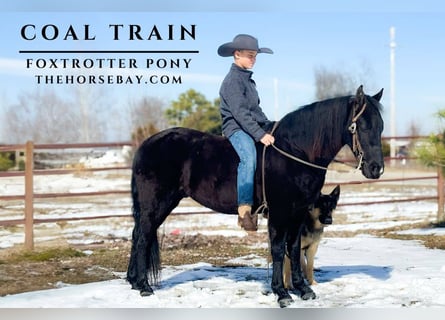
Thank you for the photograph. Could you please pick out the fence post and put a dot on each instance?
(440, 194)
(29, 196)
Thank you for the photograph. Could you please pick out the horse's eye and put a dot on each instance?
(364, 125)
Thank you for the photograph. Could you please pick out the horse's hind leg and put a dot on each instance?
(132, 269)
(143, 253)
(151, 208)
(144, 247)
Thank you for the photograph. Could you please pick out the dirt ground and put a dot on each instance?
(50, 266)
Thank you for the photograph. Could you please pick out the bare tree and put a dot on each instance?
(41, 117)
(330, 83)
(50, 117)
(147, 118)
(89, 104)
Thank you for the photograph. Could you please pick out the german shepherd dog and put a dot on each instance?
(319, 216)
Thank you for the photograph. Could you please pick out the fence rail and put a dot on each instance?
(29, 173)
(29, 196)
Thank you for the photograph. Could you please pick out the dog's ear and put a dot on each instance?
(336, 192)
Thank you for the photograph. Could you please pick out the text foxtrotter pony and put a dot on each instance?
(180, 162)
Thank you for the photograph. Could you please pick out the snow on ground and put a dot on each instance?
(354, 272)
(360, 271)
(112, 156)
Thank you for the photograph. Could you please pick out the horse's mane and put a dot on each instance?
(316, 129)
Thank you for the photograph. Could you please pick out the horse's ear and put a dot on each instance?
(360, 96)
(378, 96)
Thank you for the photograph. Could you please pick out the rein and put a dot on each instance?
(297, 159)
(356, 149)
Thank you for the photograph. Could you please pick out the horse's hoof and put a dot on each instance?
(146, 293)
(305, 292)
(308, 296)
(285, 302)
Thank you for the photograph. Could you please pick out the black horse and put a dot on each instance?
(180, 162)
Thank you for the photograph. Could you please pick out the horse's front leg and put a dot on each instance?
(278, 245)
(300, 287)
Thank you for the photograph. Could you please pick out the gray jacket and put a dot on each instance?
(240, 104)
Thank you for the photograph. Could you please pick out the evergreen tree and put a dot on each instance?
(193, 110)
(432, 152)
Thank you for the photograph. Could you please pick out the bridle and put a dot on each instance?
(357, 149)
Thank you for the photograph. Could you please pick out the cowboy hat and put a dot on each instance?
(241, 42)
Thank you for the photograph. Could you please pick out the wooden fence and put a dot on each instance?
(29, 148)
(29, 221)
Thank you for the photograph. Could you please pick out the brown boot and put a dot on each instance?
(246, 220)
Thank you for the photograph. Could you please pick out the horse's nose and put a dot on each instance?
(376, 169)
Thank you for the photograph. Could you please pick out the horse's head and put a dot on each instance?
(365, 133)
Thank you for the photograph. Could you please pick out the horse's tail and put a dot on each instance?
(153, 259)
(135, 197)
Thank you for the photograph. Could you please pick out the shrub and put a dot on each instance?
(5, 162)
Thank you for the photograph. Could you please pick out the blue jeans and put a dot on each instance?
(245, 148)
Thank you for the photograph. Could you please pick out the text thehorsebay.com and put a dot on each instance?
(152, 66)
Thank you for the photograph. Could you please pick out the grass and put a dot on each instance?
(48, 254)
(45, 268)
(429, 241)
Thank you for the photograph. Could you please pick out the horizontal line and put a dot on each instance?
(109, 51)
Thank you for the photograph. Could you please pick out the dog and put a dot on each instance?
(319, 216)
